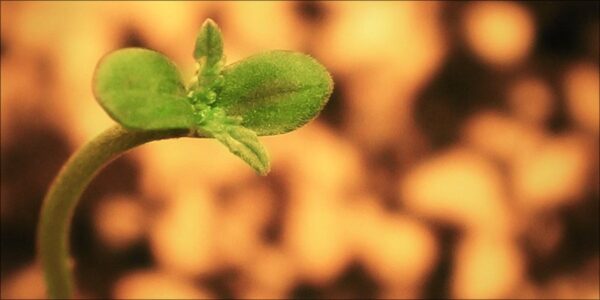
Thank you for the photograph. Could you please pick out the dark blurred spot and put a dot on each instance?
(3, 47)
(593, 44)
(98, 270)
(334, 111)
(131, 37)
(562, 26)
(46, 72)
(28, 165)
(305, 290)
(461, 88)
(451, 17)
(272, 232)
(560, 120)
(222, 283)
(354, 283)
(225, 193)
(17, 246)
(552, 72)
(580, 242)
(310, 11)
(384, 172)
(438, 285)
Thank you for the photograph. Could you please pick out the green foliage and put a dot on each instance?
(142, 89)
(209, 44)
(265, 94)
(275, 92)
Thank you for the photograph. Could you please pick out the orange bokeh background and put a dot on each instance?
(458, 156)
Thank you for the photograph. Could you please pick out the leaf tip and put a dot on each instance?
(209, 23)
(264, 169)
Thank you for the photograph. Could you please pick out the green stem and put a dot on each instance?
(61, 199)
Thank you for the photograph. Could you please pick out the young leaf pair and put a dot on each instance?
(265, 94)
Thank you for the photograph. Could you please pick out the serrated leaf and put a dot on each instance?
(244, 143)
(142, 89)
(275, 92)
(209, 43)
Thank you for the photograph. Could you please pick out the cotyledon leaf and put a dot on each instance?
(142, 89)
(275, 92)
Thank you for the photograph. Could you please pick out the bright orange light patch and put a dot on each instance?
(582, 86)
(486, 267)
(501, 33)
(459, 187)
(552, 175)
(119, 222)
(153, 284)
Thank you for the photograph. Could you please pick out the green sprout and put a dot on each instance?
(265, 94)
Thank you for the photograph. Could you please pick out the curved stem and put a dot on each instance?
(63, 195)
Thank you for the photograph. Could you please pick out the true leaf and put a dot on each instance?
(142, 89)
(275, 92)
(244, 143)
(209, 44)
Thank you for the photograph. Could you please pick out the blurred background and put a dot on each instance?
(457, 157)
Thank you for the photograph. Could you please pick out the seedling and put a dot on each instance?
(142, 90)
